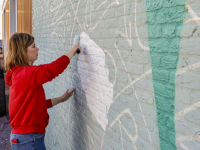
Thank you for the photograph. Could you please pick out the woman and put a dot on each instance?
(27, 103)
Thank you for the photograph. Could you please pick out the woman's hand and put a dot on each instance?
(67, 95)
(72, 52)
(75, 47)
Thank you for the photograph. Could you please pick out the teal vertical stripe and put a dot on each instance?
(165, 21)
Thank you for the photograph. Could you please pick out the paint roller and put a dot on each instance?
(76, 42)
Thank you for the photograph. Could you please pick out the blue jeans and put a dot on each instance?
(30, 141)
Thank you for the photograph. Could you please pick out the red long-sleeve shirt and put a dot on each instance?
(27, 102)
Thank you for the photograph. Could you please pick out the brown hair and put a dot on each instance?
(17, 50)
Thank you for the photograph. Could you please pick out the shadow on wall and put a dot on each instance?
(79, 122)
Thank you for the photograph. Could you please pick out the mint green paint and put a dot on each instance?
(165, 21)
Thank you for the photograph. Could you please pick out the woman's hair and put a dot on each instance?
(17, 50)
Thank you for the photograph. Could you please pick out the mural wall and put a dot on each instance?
(137, 82)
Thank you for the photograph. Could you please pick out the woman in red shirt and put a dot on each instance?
(27, 103)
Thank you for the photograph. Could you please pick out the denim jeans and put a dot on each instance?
(30, 141)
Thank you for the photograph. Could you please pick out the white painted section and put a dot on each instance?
(94, 79)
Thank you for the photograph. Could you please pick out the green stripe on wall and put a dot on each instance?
(165, 21)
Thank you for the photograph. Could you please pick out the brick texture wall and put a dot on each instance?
(137, 82)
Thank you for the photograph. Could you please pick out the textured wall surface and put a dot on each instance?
(137, 84)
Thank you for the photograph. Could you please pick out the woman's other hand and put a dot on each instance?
(67, 95)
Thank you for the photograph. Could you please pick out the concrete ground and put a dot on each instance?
(5, 130)
(5, 127)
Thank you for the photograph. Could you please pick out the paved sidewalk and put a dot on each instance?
(5, 130)
(5, 127)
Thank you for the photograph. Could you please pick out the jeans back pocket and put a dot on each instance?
(22, 141)
(18, 146)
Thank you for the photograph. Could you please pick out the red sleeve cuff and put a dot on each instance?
(49, 103)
